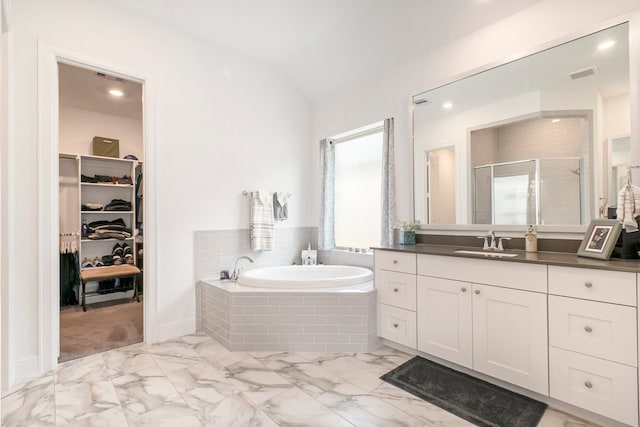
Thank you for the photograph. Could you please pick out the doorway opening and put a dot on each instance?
(440, 185)
(101, 156)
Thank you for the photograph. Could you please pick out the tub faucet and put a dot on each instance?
(236, 270)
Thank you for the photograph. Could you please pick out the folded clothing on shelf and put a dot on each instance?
(101, 179)
(118, 205)
(115, 229)
(92, 207)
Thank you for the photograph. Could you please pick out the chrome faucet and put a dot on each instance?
(236, 271)
(493, 246)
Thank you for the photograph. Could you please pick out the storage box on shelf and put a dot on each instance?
(103, 180)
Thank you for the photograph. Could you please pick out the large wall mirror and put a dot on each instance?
(539, 140)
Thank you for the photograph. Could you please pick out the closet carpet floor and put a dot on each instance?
(102, 327)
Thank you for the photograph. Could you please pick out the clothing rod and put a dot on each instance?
(246, 193)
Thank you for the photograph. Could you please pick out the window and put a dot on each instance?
(358, 189)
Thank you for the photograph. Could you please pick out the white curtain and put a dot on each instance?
(388, 185)
(326, 231)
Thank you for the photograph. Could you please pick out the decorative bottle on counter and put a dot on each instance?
(531, 240)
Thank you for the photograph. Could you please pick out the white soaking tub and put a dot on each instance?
(291, 308)
(307, 277)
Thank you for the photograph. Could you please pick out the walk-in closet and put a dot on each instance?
(100, 211)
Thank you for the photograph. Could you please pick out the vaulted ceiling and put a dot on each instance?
(321, 46)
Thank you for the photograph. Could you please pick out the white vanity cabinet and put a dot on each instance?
(570, 333)
(445, 319)
(500, 330)
(395, 281)
(593, 353)
(510, 336)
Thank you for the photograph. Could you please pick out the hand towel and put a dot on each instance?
(280, 209)
(628, 207)
(261, 226)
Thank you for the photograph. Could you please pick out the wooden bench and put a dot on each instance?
(111, 272)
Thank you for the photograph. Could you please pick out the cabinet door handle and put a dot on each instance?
(395, 290)
(395, 261)
(464, 289)
(395, 325)
(588, 329)
(477, 291)
(588, 384)
(588, 285)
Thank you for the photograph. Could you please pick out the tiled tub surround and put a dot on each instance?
(217, 250)
(254, 319)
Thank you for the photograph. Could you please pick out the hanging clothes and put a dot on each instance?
(69, 269)
(629, 207)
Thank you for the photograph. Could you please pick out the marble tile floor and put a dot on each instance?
(195, 381)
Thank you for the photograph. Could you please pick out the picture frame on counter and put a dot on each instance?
(600, 239)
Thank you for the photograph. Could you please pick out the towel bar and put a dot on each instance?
(246, 193)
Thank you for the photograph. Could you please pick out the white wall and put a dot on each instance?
(223, 124)
(389, 95)
(77, 127)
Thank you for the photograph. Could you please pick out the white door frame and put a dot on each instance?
(48, 198)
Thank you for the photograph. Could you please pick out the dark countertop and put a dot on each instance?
(562, 259)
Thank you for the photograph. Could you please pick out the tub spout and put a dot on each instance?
(236, 270)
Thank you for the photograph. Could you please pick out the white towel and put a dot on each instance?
(628, 207)
(280, 209)
(261, 227)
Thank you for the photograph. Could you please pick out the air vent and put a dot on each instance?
(420, 101)
(108, 77)
(583, 73)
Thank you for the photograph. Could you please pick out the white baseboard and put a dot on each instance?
(25, 369)
(170, 330)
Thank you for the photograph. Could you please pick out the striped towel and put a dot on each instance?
(261, 227)
(628, 207)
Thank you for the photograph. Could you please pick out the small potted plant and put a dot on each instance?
(408, 232)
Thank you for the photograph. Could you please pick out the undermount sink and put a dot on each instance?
(486, 254)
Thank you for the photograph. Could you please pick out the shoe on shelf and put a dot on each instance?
(128, 253)
(117, 254)
(86, 263)
(97, 262)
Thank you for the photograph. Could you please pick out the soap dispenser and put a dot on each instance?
(531, 240)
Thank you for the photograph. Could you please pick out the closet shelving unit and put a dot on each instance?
(103, 193)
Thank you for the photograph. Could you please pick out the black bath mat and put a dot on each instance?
(477, 401)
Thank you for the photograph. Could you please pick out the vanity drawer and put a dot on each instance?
(600, 386)
(397, 289)
(598, 329)
(515, 275)
(395, 261)
(617, 287)
(397, 325)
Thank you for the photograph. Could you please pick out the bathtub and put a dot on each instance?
(308, 278)
(328, 308)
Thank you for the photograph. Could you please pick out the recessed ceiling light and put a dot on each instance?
(555, 120)
(447, 105)
(116, 92)
(606, 44)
